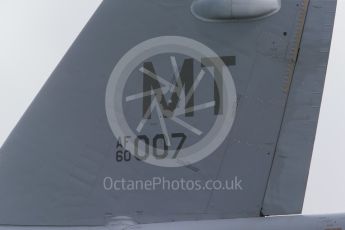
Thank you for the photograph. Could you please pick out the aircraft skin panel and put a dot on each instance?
(289, 175)
(296, 222)
(54, 163)
(317, 222)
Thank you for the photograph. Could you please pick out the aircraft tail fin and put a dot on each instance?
(234, 102)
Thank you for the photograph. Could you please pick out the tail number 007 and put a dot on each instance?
(123, 155)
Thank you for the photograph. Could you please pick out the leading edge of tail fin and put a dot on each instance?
(133, 99)
(288, 178)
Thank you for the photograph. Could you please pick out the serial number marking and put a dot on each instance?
(123, 155)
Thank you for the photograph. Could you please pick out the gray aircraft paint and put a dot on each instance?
(296, 140)
(297, 222)
(133, 70)
(53, 164)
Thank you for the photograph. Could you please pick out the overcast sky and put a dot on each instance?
(35, 34)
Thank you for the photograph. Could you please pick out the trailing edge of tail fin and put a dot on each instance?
(289, 174)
